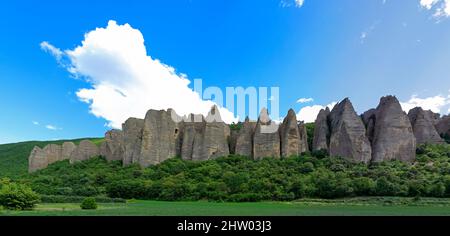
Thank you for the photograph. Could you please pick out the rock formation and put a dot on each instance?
(266, 140)
(393, 135)
(159, 137)
(37, 160)
(348, 134)
(67, 149)
(233, 139)
(192, 135)
(380, 134)
(303, 135)
(112, 147)
(443, 126)
(292, 142)
(423, 126)
(205, 138)
(53, 152)
(216, 136)
(368, 118)
(132, 139)
(244, 141)
(321, 131)
(85, 150)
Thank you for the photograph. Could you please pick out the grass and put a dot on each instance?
(14, 156)
(303, 208)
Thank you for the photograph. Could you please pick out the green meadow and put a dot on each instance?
(204, 208)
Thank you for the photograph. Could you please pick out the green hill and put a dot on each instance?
(14, 156)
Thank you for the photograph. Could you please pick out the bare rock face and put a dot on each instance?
(37, 160)
(53, 152)
(321, 131)
(192, 136)
(393, 134)
(348, 134)
(443, 126)
(266, 140)
(233, 139)
(132, 139)
(67, 149)
(303, 134)
(290, 136)
(423, 126)
(159, 138)
(369, 118)
(84, 151)
(112, 148)
(216, 135)
(205, 138)
(244, 141)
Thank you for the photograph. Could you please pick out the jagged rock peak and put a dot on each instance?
(244, 141)
(393, 135)
(423, 126)
(214, 115)
(290, 135)
(266, 140)
(321, 131)
(348, 134)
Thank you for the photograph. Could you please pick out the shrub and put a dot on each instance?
(14, 196)
(89, 203)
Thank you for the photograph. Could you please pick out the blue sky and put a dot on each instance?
(325, 50)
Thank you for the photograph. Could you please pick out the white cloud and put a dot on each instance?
(56, 52)
(305, 100)
(35, 122)
(52, 127)
(126, 81)
(290, 3)
(299, 3)
(428, 4)
(441, 7)
(309, 113)
(436, 104)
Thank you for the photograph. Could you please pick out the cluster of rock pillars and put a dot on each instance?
(380, 134)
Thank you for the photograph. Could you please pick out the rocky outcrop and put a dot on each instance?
(205, 138)
(443, 126)
(51, 153)
(368, 118)
(321, 131)
(132, 140)
(380, 134)
(348, 134)
(67, 149)
(216, 136)
(233, 139)
(37, 160)
(423, 126)
(244, 141)
(159, 137)
(303, 135)
(112, 148)
(292, 141)
(266, 140)
(85, 150)
(393, 135)
(192, 135)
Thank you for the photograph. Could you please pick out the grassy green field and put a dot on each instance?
(14, 156)
(156, 208)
